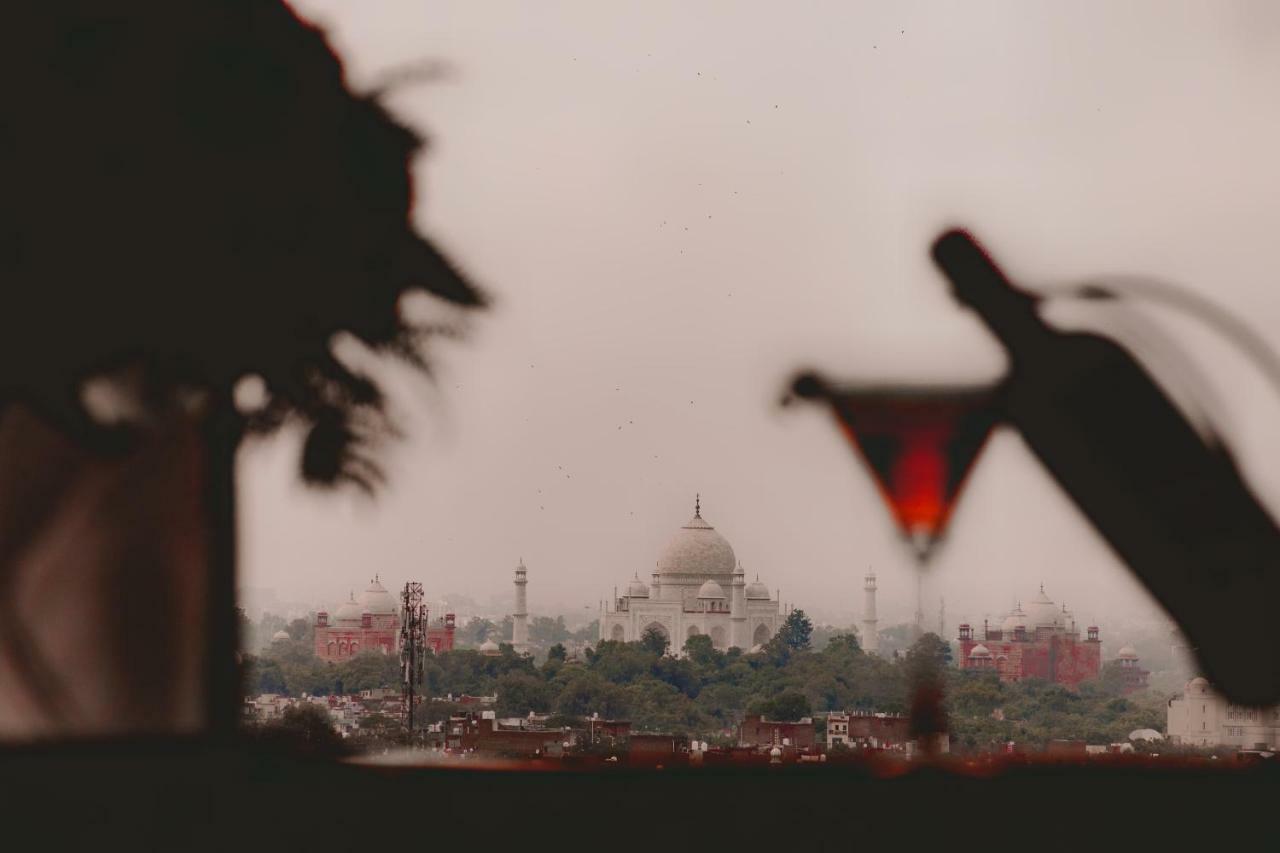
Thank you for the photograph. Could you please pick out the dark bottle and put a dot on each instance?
(1174, 508)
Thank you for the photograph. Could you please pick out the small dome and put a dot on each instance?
(1043, 613)
(350, 609)
(280, 635)
(637, 588)
(377, 600)
(489, 647)
(757, 591)
(697, 549)
(1198, 686)
(1127, 653)
(711, 589)
(1015, 620)
(979, 651)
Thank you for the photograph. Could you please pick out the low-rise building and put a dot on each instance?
(756, 731)
(867, 730)
(518, 737)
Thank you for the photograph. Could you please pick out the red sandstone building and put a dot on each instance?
(1042, 642)
(1132, 676)
(372, 623)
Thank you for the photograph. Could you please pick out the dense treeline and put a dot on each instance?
(705, 692)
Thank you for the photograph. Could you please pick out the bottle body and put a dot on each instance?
(1172, 507)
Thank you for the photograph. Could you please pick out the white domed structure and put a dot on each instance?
(489, 648)
(697, 549)
(279, 635)
(1043, 613)
(698, 588)
(1016, 619)
(368, 624)
(711, 590)
(1049, 646)
(377, 600)
(349, 612)
(1127, 653)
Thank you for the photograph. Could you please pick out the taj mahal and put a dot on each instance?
(698, 587)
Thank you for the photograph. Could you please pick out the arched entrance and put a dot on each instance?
(718, 638)
(658, 628)
(761, 635)
(617, 633)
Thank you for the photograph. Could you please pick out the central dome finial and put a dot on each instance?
(697, 505)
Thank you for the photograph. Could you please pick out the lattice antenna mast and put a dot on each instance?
(412, 646)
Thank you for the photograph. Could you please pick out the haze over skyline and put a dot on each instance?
(677, 208)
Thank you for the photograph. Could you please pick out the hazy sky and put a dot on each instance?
(676, 205)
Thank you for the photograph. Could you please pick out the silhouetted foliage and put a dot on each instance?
(193, 195)
(925, 664)
(304, 729)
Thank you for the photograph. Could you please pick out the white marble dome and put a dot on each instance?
(638, 588)
(377, 600)
(350, 609)
(757, 591)
(979, 651)
(1015, 619)
(489, 647)
(711, 589)
(697, 549)
(1127, 653)
(280, 635)
(1043, 613)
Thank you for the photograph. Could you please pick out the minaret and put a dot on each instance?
(738, 610)
(870, 635)
(520, 618)
(919, 626)
(942, 618)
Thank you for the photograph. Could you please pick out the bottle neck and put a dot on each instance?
(979, 284)
(1014, 320)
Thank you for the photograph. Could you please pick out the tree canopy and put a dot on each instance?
(654, 640)
(705, 692)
